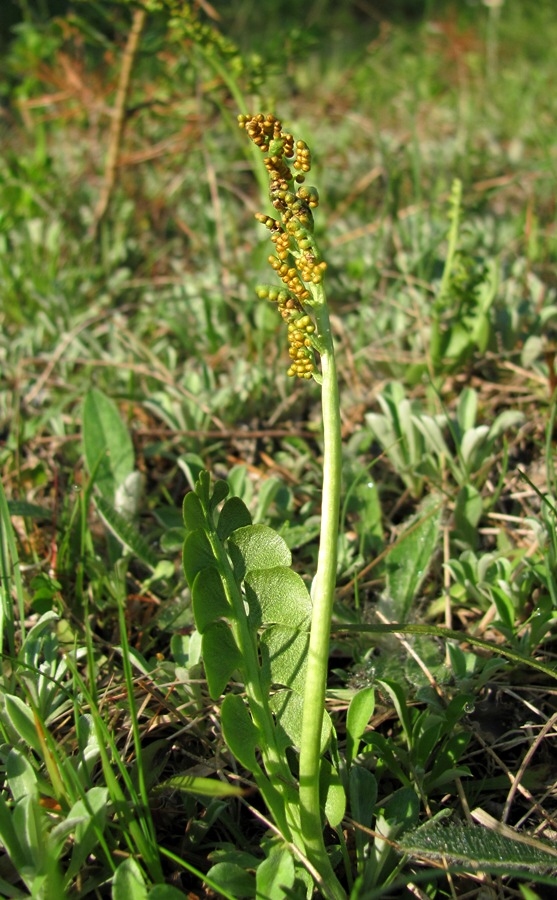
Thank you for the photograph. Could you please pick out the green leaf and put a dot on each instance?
(126, 533)
(233, 879)
(409, 560)
(359, 713)
(21, 776)
(239, 732)
(29, 823)
(288, 707)
(92, 815)
(221, 657)
(192, 511)
(233, 515)
(209, 600)
(332, 793)
(107, 445)
(172, 540)
(9, 837)
(21, 722)
(433, 435)
(399, 814)
(28, 510)
(474, 447)
(467, 514)
(259, 547)
(220, 490)
(204, 787)
(400, 702)
(128, 882)
(278, 596)
(197, 554)
(509, 418)
(467, 409)
(165, 892)
(192, 465)
(275, 876)
(284, 656)
(486, 849)
(362, 790)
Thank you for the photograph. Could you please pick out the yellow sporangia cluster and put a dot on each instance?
(296, 259)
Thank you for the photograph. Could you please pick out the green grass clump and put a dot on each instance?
(152, 718)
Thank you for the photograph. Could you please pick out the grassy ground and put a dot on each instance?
(443, 309)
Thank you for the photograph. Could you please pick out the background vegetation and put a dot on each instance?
(129, 322)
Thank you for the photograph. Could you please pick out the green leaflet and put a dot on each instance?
(239, 576)
(258, 547)
(287, 707)
(253, 614)
(275, 876)
(239, 731)
(278, 595)
(234, 515)
(221, 655)
(197, 554)
(284, 654)
(208, 598)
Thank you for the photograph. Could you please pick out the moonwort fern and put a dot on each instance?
(259, 624)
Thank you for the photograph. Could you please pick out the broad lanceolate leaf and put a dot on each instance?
(20, 775)
(362, 789)
(410, 558)
(467, 514)
(92, 817)
(486, 849)
(126, 533)
(9, 837)
(107, 444)
(19, 720)
(29, 510)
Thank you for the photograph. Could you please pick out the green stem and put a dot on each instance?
(322, 593)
